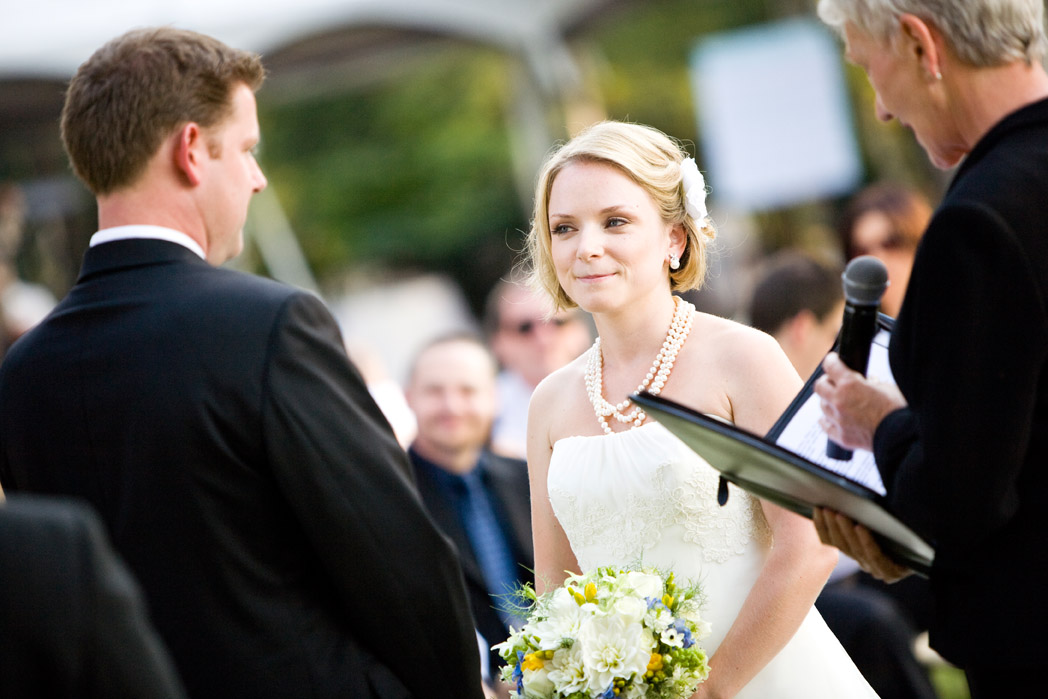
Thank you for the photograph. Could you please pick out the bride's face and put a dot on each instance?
(609, 244)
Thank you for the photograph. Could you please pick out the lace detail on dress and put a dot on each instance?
(725, 531)
(626, 530)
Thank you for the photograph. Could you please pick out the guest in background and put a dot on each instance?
(72, 619)
(213, 419)
(478, 499)
(23, 304)
(799, 301)
(886, 220)
(529, 341)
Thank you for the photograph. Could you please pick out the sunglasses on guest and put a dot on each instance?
(527, 327)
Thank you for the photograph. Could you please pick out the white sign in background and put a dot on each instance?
(774, 117)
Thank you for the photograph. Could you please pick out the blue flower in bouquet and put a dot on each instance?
(629, 634)
(518, 672)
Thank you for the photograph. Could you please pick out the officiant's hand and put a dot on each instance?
(856, 541)
(852, 405)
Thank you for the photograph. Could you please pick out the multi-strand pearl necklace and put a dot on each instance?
(655, 378)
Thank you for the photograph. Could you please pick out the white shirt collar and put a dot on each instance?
(108, 235)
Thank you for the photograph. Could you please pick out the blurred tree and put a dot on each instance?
(414, 175)
(411, 170)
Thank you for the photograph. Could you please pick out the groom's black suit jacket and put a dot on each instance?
(245, 474)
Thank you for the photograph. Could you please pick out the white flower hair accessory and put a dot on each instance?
(694, 190)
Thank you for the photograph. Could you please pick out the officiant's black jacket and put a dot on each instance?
(72, 620)
(967, 462)
(245, 474)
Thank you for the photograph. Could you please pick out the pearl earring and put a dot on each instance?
(674, 262)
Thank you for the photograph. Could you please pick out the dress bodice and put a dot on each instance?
(628, 496)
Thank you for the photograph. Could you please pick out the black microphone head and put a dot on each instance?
(865, 279)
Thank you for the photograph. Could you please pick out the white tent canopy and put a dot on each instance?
(42, 42)
(50, 38)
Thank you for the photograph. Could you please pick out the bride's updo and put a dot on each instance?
(656, 163)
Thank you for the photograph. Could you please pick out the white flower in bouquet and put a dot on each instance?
(568, 670)
(645, 585)
(631, 609)
(630, 634)
(691, 610)
(563, 618)
(659, 617)
(539, 683)
(613, 648)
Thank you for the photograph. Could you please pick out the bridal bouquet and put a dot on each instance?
(610, 633)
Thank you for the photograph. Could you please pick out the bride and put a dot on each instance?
(620, 223)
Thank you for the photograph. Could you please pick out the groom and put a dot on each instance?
(213, 418)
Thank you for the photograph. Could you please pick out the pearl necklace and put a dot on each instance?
(656, 376)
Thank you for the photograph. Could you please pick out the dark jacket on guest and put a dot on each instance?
(506, 480)
(72, 619)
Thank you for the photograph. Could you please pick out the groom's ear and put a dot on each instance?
(188, 152)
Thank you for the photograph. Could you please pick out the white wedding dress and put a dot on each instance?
(643, 497)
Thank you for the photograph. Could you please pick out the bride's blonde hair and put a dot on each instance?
(648, 157)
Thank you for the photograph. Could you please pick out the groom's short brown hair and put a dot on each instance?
(137, 90)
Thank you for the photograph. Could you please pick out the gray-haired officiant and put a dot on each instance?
(963, 449)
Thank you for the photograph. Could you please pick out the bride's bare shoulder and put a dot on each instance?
(556, 383)
(558, 395)
(736, 345)
(757, 379)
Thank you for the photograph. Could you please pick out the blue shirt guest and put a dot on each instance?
(213, 419)
(478, 499)
(963, 449)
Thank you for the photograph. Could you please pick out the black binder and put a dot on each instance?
(780, 475)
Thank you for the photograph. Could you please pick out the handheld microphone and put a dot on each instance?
(864, 280)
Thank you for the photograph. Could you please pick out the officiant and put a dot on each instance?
(962, 449)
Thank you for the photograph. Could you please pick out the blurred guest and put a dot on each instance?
(886, 220)
(798, 301)
(479, 500)
(386, 390)
(529, 341)
(213, 418)
(962, 444)
(73, 620)
(22, 304)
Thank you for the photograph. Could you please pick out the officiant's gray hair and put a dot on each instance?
(982, 33)
(648, 157)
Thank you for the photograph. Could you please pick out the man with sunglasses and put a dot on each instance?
(529, 344)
